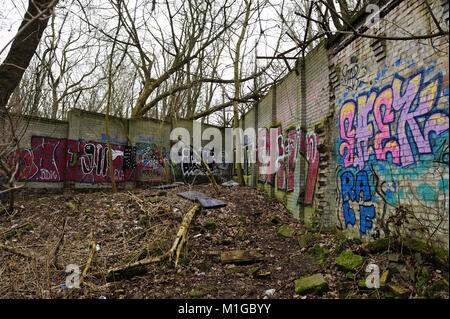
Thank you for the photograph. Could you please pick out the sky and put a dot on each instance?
(11, 14)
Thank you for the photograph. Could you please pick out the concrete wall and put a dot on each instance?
(358, 132)
(74, 153)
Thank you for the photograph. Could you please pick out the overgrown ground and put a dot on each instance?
(131, 225)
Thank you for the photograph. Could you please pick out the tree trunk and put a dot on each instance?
(237, 88)
(24, 46)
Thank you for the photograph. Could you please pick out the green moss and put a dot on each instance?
(154, 199)
(9, 234)
(286, 231)
(380, 245)
(362, 284)
(320, 254)
(398, 291)
(306, 239)
(200, 291)
(210, 225)
(349, 275)
(349, 261)
(232, 270)
(434, 292)
(343, 287)
(70, 205)
(275, 220)
(161, 193)
(253, 271)
(311, 284)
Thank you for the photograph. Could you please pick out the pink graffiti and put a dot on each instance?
(405, 113)
(296, 143)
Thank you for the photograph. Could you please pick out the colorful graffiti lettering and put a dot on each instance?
(397, 130)
(357, 189)
(295, 143)
(58, 159)
(150, 160)
(393, 121)
(87, 162)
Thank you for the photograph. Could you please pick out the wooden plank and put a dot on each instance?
(241, 256)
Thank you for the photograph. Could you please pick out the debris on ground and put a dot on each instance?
(249, 248)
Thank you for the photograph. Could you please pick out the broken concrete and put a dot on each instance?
(311, 284)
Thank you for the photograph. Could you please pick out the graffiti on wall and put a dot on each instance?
(295, 143)
(353, 74)
(387, 132)
(150, 158)
(58, 159)
(191, 165)
(88, 162)
(43, 162)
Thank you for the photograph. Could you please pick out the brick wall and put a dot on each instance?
(377, 112)
(391, 130)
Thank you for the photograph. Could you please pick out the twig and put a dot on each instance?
(17, 252)
(14, 228)
(55, 253)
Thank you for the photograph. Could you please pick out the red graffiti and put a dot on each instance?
(294, 144)
(58, 159)
(88, 162)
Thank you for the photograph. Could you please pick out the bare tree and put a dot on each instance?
(24, 46)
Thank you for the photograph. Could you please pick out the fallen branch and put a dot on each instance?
(177, 245)
(13, 229)
(181, 236)
(92, 247)
(17, 252)
(55, 253)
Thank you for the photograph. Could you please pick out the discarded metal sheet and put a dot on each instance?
(193, 195)
(203, 199)
(211, 203)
